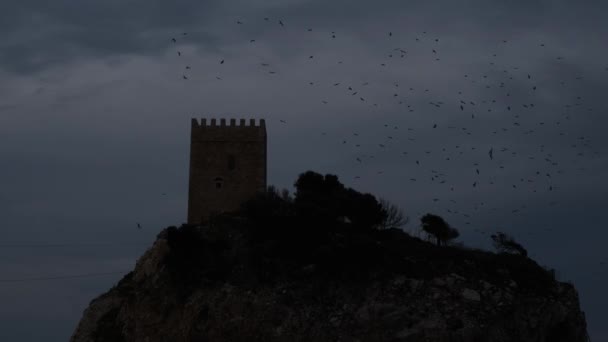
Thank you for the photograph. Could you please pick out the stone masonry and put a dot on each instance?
(227, 166)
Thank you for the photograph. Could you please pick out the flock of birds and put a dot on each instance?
(509, 116)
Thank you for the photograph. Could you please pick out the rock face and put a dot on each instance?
(219, 284)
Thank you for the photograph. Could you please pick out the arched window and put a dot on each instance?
(231, 162)
(219, 182)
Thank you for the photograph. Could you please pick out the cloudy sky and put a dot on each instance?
(403, 99)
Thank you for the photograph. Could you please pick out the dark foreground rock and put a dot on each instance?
(223, 284)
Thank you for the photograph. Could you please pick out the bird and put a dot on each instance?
(222, 61)
(138, 226)
(283, 121)
(174, 40)
(184, 76)
(490, 153)
(281, 23)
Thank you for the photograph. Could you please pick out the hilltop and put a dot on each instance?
(284, 273)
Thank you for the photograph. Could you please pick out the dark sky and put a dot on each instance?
(95, 122)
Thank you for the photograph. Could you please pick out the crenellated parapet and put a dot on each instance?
(213, 130)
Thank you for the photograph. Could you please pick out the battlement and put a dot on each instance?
(211, 131)
(242, 123)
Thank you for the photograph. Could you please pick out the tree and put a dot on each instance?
(363, 210)
(285, 196)
(394, 216)
(324, 201)
(506, 244)
(268, 210)
(450, 234)
(436, 226)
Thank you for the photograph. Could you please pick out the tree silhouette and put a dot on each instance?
(394, 216)
(363, 210)
(268, 210)
(324, 201)
(506, 244)
(436, 226)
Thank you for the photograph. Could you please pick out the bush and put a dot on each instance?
(324, 201)
(506, 244)
(436, 226)
(394, 217)
(269, 211)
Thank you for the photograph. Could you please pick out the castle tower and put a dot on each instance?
(227, 166)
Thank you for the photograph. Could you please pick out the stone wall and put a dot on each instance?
(211, 148)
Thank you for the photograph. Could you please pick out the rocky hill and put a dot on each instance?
(225, 283)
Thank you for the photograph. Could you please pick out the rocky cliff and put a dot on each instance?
(221, 283)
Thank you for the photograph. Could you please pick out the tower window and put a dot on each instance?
(219, 182)
(231, 162)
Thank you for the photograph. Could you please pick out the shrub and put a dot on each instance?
(506, 244)
(436, 226)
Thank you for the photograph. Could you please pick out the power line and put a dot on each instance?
(25, 245)
(74, 276)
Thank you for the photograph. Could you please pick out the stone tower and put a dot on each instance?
(227, 166)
